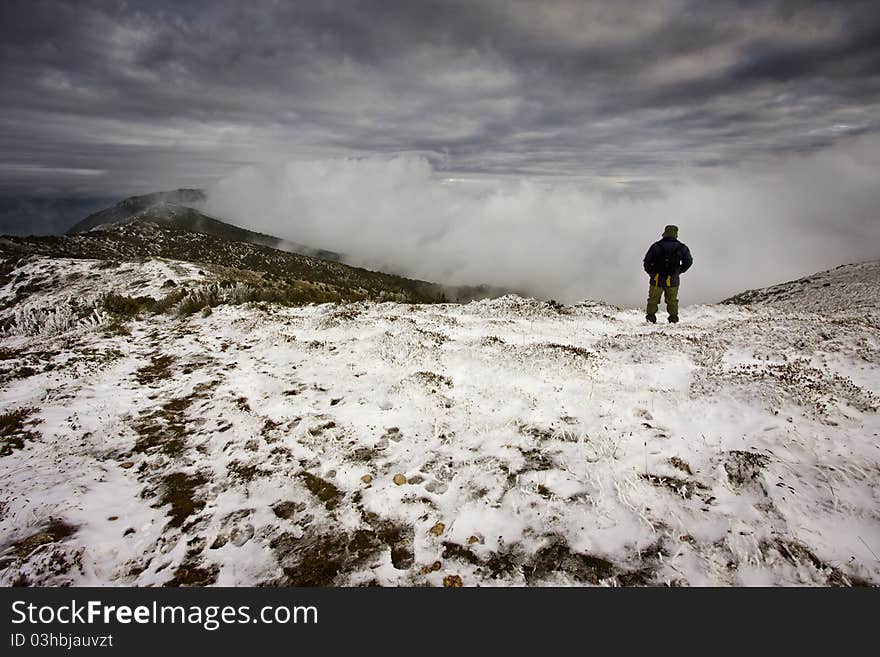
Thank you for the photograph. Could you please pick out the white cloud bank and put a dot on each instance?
(746, 227)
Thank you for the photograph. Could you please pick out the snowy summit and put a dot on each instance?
(501, 442)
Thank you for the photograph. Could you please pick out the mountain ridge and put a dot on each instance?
(133, 205)
(820, 291)
(183, 207)
(145, 238)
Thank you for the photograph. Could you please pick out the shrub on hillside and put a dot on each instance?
(123, 306)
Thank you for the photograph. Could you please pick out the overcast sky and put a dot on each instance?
(120, 97)
(534, 145)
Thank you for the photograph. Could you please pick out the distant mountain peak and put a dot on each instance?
(183, 208)
(129, 208)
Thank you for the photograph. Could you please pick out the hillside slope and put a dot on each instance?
(236, 260)
(503, 442)
(845, 288)
(182, 208)
(129, 208)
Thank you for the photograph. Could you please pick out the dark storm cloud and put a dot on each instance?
(128, 96)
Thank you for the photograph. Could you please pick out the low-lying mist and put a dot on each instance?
(746, 227)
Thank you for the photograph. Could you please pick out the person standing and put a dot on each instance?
(664, 262)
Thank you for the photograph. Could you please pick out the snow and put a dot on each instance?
(63, 278)
(556, 445)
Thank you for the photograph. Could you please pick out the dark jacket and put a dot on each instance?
(665, 260)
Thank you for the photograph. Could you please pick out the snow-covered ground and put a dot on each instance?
(504, 442)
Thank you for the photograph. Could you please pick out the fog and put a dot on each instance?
(747, 227)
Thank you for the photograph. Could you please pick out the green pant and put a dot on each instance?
(654, 294)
